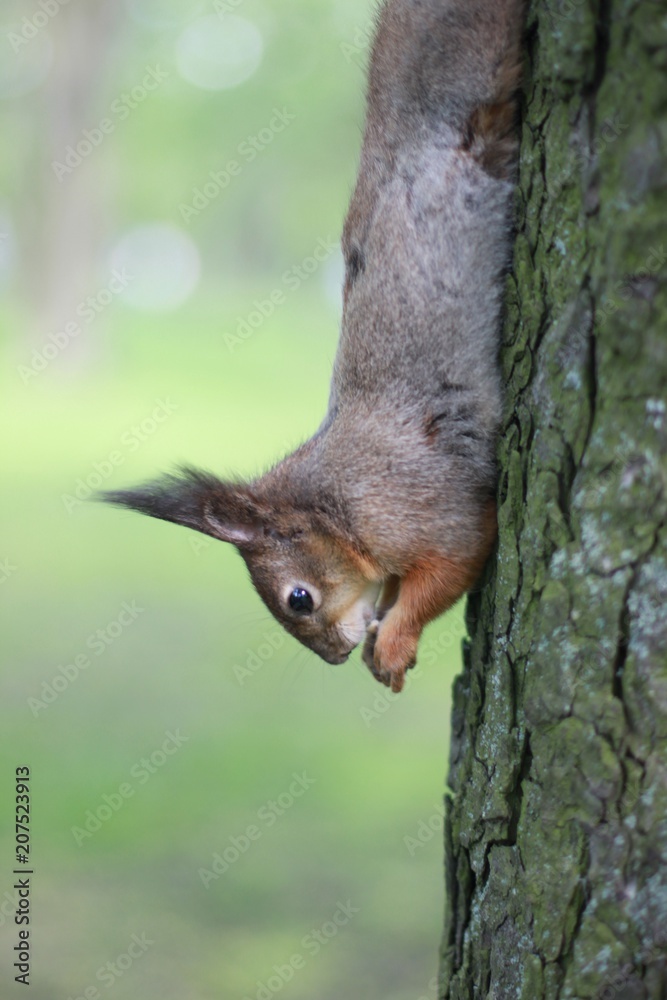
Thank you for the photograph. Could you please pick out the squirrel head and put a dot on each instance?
(311, 580)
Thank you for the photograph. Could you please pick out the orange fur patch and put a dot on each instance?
(363, 563)
(431, 586)
(436, 582)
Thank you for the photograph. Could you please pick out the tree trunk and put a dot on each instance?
(64, 216)
(556, 841)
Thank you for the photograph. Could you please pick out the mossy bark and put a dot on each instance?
(556, 842)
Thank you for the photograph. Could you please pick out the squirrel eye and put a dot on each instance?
(301, 602)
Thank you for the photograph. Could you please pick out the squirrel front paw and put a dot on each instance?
(389, 654)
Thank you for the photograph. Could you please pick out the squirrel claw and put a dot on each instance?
(368, 654)
(389, 654)
(391, 677)
(397, 681)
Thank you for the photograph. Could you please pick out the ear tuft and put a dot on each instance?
(198, 500)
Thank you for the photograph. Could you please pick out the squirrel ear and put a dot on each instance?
(198, 500)
(224, 524)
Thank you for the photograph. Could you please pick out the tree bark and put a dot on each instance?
(556, 838)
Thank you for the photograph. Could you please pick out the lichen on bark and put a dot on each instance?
(556, 841)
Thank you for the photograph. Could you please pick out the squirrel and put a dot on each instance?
(384, 518)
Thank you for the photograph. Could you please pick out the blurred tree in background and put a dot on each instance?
(174, 179)
(119, 115)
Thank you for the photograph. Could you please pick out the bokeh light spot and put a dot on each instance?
(163, 265)
(217, 53)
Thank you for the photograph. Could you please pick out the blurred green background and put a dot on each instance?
(153, 313)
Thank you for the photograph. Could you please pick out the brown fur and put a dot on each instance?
(383, 517)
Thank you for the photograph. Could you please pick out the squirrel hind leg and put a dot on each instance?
(491, 129)
(490, 138)
(451, 61)
(442, 59)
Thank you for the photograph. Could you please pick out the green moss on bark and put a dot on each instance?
(556, 844)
